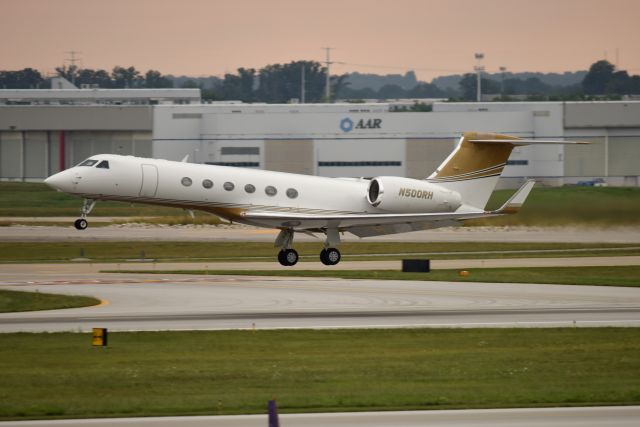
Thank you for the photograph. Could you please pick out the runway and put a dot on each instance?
(179, 302)
(621, 416)
(200, 233)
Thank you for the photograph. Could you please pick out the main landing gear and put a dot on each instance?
(289, 256)
(81, 223)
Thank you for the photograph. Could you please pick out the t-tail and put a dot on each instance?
(474, 167)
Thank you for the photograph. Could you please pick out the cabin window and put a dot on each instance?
(250, 188)
(292, 193)
(103, 165)
(88, 163)
(229, 186)
(270, 190)
(207, 183)
(186, 181)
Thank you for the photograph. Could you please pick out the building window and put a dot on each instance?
(517, 162)
(207, 183)
(270, 190)
(248, 151)
(250, 188)
(364, 163)
(292, 193)
(229, 186)
(186, 181)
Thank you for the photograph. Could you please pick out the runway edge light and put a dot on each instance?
(99, 338)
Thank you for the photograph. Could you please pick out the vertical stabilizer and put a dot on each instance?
(474, 167)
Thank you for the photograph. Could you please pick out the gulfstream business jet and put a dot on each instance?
(457, 191)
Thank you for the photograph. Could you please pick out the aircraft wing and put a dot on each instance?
(365, 225)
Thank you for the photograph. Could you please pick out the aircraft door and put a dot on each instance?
(149, 181)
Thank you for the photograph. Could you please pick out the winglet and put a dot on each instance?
(516, 201)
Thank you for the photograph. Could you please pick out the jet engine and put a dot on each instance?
(406, 195)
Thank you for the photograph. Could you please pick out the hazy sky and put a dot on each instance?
(433, 37)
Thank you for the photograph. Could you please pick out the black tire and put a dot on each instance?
(323, 257)
(288, 257)
(81, 224)
(332, 255)
(281, 258)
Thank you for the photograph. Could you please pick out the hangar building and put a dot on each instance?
(40, 135)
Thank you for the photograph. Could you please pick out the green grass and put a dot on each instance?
(589, 206)
(252, 251)
(38, 200)
(229, 372)
(601, 276)
(558, 206)
(11, 301)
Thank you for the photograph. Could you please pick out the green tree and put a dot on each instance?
(469, 84)
(27, 78)
(425, 90)
(93, 77)
(282, 82)
(598, 77)
(126, 77)
(239, 86)
(155, 79)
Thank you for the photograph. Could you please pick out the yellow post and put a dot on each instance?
(99, 338)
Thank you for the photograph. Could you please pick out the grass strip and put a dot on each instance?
(11, 301)
(231, 372)
(558, 206)
(628, 276)
(252, 251)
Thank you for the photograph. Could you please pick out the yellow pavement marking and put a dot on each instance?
(267, 231)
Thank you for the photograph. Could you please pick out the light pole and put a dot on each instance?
(503, 69)
(479, 69)
(327, 87)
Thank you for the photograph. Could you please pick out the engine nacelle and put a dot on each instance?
(406, 195)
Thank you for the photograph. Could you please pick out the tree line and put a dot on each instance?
(601, 81)
(279, 83)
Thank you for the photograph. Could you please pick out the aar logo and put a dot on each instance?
(346, 124)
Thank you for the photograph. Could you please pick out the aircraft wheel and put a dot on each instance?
(288, 257)
(291, 256)
(81, 224)
(331, 255)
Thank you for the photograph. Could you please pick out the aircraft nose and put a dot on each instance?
(59, 181)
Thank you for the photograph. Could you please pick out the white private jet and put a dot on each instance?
(458, 190)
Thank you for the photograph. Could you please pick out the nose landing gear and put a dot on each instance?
(81, 223)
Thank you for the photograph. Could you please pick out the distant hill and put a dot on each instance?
(568, 78)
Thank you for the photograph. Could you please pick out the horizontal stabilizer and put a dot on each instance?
(527, 141)
(516, 201)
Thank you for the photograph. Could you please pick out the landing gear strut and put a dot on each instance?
(81, 223)
(287, 255)
(330, 255)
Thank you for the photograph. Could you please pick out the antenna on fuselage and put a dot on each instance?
(185, 158)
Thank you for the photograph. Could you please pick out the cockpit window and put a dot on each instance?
(103, 164)
(88, 162)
